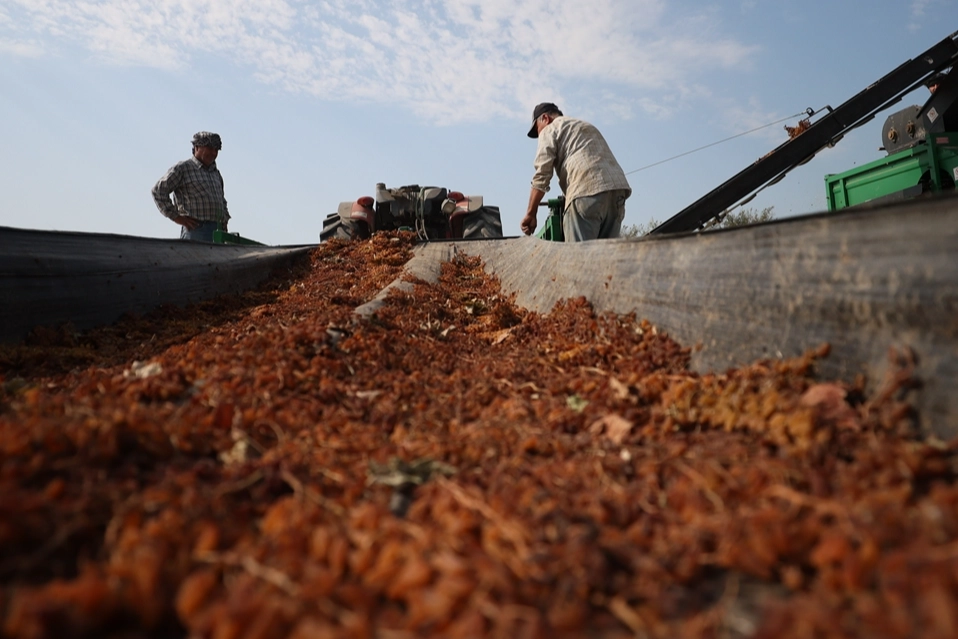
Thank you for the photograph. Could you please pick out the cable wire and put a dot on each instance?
(737, 135)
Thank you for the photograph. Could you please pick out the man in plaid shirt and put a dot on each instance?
(591, 179)
(196, 186)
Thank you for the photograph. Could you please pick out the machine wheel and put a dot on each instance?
(336, 226)
(486, 222)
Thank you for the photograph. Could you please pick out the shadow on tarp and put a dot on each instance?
(48, 278)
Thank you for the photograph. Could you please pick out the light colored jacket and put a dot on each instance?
(580, 156)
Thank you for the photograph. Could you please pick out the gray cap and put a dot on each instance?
(205, 138)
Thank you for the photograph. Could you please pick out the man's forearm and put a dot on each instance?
(529, 223)
(166, 207)
(535, 198)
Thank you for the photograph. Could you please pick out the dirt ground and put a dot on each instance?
(267, 465)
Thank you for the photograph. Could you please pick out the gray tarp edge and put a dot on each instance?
(48, 278)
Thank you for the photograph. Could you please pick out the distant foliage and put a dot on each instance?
(745, 217)
(741, 218)
(638, 230)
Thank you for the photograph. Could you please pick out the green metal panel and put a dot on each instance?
(552, 229)
(937, 157)
(222, 237)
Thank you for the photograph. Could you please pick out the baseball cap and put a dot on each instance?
(545, 107)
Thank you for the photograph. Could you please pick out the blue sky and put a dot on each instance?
(317, 101)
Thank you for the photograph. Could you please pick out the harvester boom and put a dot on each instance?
(824, 132)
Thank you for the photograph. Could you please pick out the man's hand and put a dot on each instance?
(187, 221)
(528, 224)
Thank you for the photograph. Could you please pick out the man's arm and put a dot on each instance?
(161, 196)
(164, 188)
(544, 165)
(528, 224)
(226, 211)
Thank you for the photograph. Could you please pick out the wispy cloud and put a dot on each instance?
(917, 13)
(21, 48)
(446, 60)
(918, 8)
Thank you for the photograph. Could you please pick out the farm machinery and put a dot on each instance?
(921, 142)
(552, 229)
(434, 213)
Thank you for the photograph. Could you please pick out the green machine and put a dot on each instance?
(930, 167)
(222, 237)
(552, 229)
(921, 143)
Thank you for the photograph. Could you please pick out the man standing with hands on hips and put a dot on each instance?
(198, 204)
(591, 179)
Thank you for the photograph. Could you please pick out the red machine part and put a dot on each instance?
(460, 212)
(362, 213)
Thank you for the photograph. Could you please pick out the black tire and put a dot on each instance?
(335, 227)
(486, 222)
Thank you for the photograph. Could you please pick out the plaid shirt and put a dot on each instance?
(580, 156)
(197, 192)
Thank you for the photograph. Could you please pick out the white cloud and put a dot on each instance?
(21, 48)
(918, 8)
(446, 60)
(918, 12)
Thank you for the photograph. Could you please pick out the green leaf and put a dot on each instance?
(576, 403)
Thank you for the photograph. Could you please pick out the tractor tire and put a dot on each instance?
(335, 226)
(486, 222)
